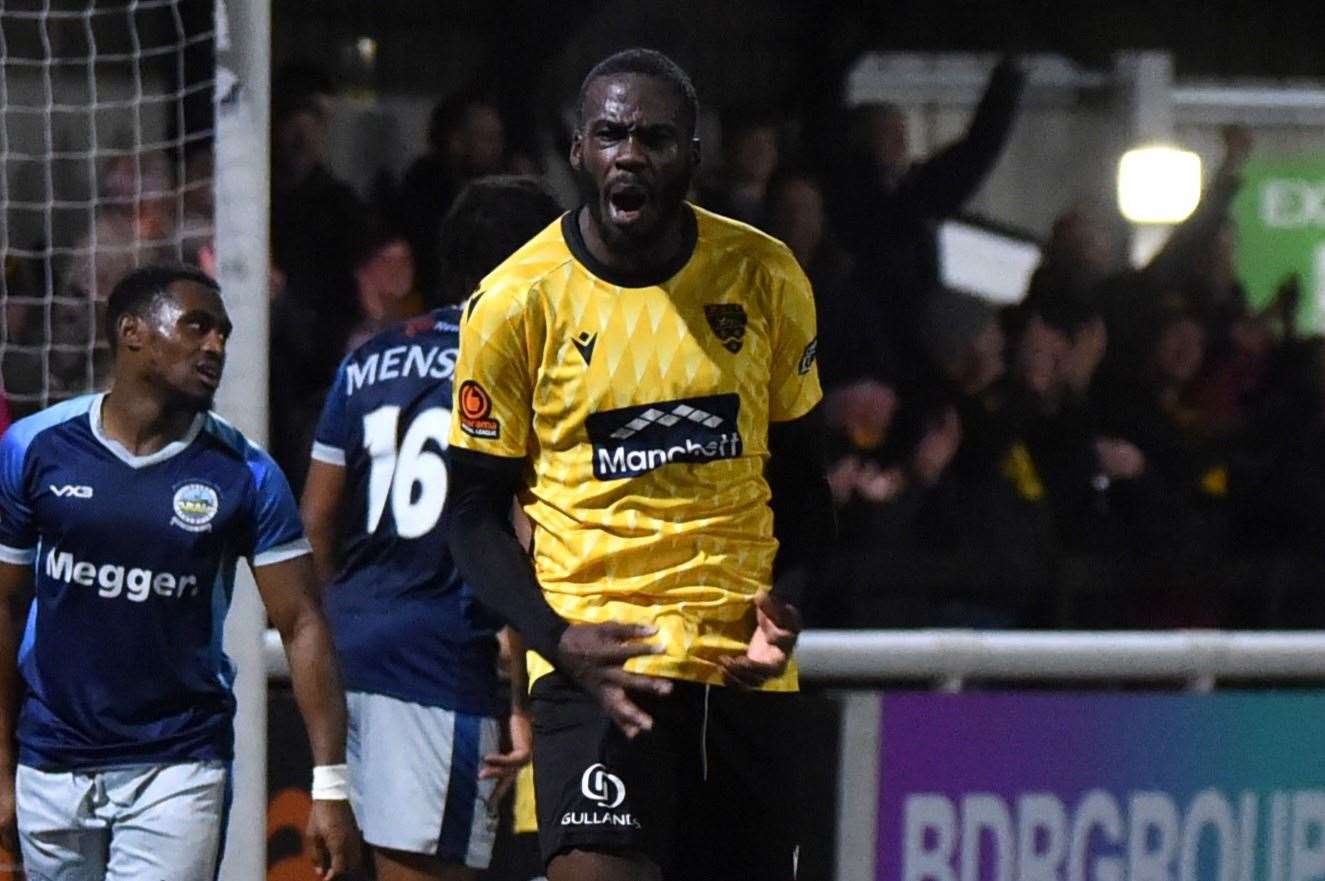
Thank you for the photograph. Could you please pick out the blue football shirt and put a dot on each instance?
(134, 563)
(404, 622)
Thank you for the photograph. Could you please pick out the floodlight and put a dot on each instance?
(1158, 184)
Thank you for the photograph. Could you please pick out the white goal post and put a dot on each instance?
(242, 178)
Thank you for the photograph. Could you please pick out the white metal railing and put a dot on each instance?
(957, 79)
(949, 658)
(1250, 103)
(1196, 658)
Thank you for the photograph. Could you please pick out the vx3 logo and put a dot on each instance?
(72, 491)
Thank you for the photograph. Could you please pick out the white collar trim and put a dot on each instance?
(174, 448)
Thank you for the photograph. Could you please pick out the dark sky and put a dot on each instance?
(1270, 38)
(779, 53)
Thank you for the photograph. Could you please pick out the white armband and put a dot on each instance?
(331, 783)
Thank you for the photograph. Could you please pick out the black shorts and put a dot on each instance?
(710, 793)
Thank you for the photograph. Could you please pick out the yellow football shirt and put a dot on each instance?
(642, 412)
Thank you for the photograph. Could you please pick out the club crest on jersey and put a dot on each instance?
(728, 322)
(195, 506)
(476, 412)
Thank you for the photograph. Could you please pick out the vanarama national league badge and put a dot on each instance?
(476, 412)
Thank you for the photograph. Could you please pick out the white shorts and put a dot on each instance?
(414, 778)
(143, 822)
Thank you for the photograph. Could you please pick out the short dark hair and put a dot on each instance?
(490, 219)
(645, 62)
(139, 291)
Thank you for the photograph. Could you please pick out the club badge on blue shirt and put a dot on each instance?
(195, 505)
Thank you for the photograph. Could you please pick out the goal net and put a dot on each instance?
(106, 129)
(111, 113)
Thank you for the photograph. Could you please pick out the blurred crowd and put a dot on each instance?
(1126, 447)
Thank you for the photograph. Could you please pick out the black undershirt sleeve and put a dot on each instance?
(484, 546)
(802, 504)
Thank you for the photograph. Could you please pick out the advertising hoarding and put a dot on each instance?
(1102, 787)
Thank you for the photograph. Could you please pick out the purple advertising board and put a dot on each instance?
(1102, 787)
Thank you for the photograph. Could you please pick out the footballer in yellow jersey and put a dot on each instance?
(641, 375)
(643, 412)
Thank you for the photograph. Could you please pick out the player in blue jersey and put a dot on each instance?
(417, 652)
(125, 513)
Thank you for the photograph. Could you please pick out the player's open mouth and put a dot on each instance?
(627, 203)
(210, 373)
